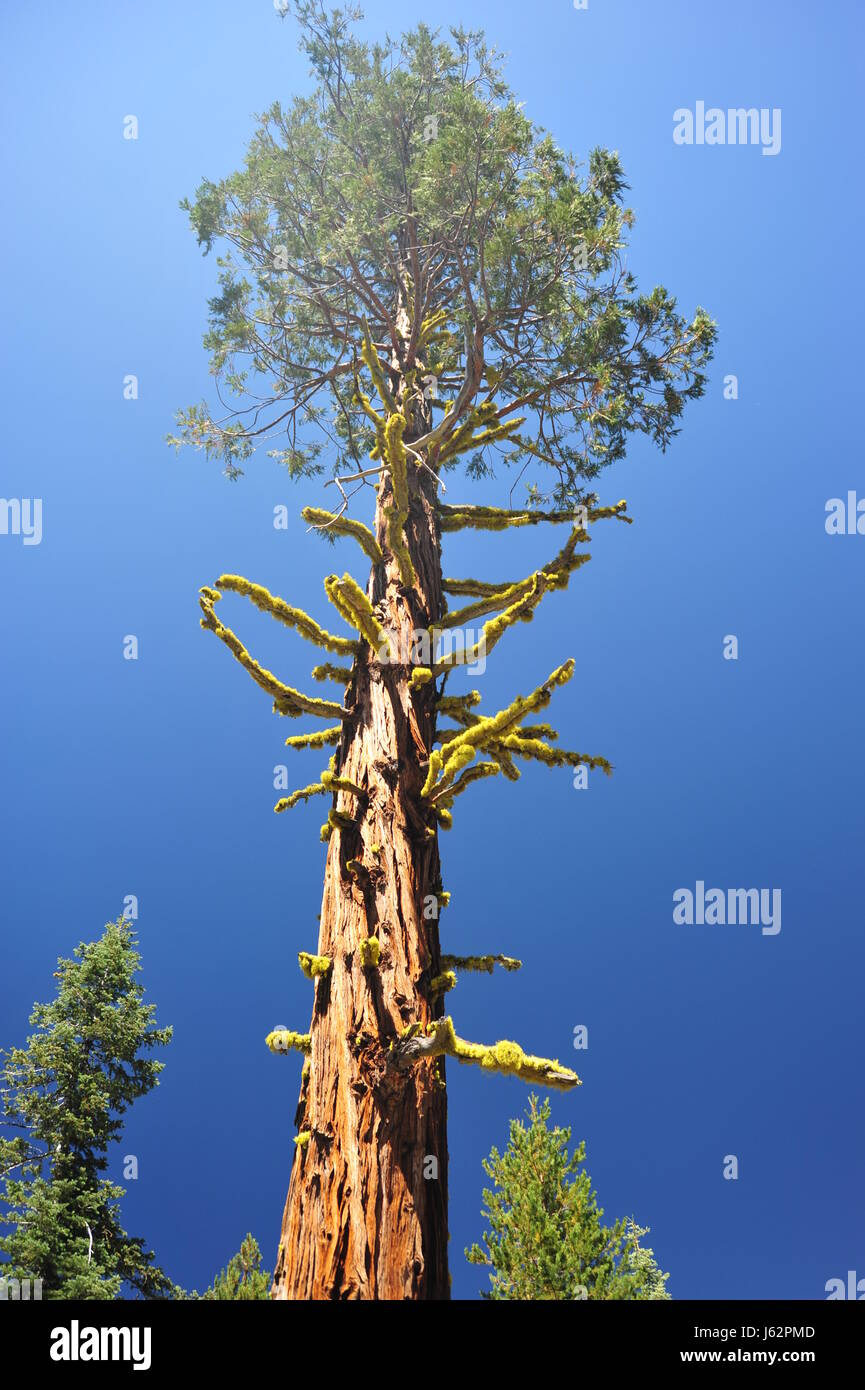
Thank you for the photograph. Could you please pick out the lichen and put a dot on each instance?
(396, 514)
(370, 952)
(313, 966)
(284, 613)
(505, 1057)
(328, 672)
(341, 784)
(421, 675)
(481, 963)
(320, 738)
(440, 984)
(445, 765)
(338, 525)
(285, 1040)
(285, 700)
(349, 599)
(302, 1139)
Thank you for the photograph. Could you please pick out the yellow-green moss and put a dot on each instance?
(285, 700)
(498, 518)
(349, 599)
(481, 963)
(284, 613)
(505, 1057)
(302, 1139)
(285, 1040)
(397, 513)
(421, 675)
(313, 966)
(321, 738)
(344, 526)
(440, 984)
(370, 952)
(304, 794)
(341, 784)
(328, 672)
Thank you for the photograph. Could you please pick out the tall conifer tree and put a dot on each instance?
(415, 279)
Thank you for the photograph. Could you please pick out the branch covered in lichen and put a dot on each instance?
(504, 1057)
(333, 782)
(336, 820)
(349, 599)
(313, 966)
(522, 610)
(440, 984)
(320, 738)
(284, 613)
(497, 518)
(396, 513)
(285, 700)
(446, 764)
(481, 963)
(284, 1040)
(304, 794)
(556, 575)
(328, 672)
(344, 526)
(445, 798)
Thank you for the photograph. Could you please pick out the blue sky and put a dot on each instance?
(154, 777)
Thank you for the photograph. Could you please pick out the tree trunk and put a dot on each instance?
(366, 1213)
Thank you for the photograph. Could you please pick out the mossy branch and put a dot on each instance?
(285, 700)
(505, 1057)
(556, 575)
(328, 672)
(345, 526)
(445, 798)
(284, 1040)
(522, 610)
(320, 738)
(284, 613)
(481, 963)
(349, 599)
(396, 514)
(458, 753)
(304, 794)
(498, 518)
(335, 783)
(313, 966)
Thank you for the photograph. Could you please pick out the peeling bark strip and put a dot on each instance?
(361, 1220)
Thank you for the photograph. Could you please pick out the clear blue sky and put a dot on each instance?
(155, 777)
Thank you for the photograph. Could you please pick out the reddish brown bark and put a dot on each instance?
(363, 1218)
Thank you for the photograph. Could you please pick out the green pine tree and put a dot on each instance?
(63, 1098)
(546, 1237)
(244, 1277)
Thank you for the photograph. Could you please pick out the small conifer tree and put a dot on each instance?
(243, 1279)
(64, 1096)
(546, 1238)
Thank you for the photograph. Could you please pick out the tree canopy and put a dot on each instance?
(410, 206)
